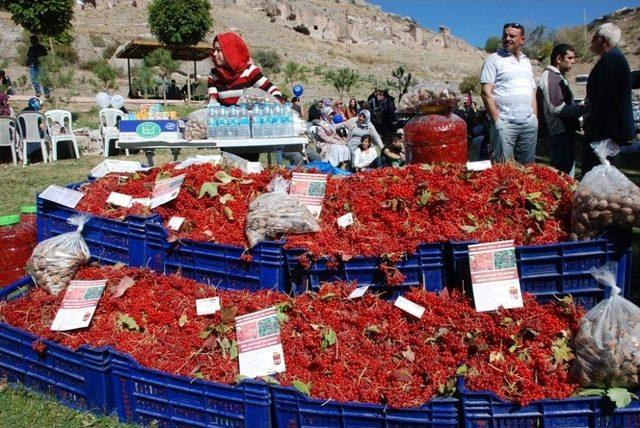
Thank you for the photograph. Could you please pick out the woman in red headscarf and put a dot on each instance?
(233, 71)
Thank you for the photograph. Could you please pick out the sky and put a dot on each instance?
(477, 20)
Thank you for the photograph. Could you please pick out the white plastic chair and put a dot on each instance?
(8, 136)
(109, 127)
(29, 132)
(63, 119)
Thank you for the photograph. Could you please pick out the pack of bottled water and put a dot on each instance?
(265, 120)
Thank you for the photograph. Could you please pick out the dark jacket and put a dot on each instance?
(609, 99)
(34, 53)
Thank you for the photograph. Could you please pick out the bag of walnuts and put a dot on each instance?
(605, 197)
(55, 261)
(276, 213)
(607, 346)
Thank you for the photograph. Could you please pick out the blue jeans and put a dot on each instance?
(514, 140)
(34, 73)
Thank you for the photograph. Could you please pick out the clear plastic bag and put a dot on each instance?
(429, 97)
(607, 347)
(605, 197)
(275, 213)
(196, 128)
(55, 261)
(252, 96)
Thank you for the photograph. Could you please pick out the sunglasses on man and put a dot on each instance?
(513, 25)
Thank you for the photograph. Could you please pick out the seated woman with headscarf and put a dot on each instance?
(332, 147)
(358, 128)
(234, 72)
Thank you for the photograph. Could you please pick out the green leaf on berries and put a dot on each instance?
(206, 332)
(495, 356)
(163, 176)
(506, 321)
(270, 380)
(226, 198)
(127, 322)
(198, 375)
(462, 370)
(468, 229)
(423, 200)
(346, 206)
(239, 378)
(426, 167)
(182, 320)
(328, 296)
(561, 351)
(620, 396)
(315, 326)
(302, 387)
(233, 350)
(329, 338)
(590, 392)
(224, 178)
(208, 188)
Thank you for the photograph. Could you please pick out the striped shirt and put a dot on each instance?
(228, 94)
(513, 84)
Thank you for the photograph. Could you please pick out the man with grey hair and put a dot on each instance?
(610, 113)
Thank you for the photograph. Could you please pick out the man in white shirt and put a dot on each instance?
(509, 96)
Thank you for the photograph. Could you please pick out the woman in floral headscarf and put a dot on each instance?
(358, 128)
(234, 72)
(332, 147)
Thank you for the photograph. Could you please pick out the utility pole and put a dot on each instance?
(584, 17)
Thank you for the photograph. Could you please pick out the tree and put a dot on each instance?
(106, 74)
(161, 61)
(470, 83)
(343, 79)
(294, 72)
(401, 82)
(575, 36)
(180, 22)
(144, 80)
(492, 44)
(47, 17)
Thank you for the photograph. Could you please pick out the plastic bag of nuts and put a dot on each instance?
(607, 346)
(605, 197)
(429, 98)
(55, 261)
(196, 128)
(276, 213)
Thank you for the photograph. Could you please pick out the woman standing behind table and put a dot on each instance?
(234, 72)
(331, 146)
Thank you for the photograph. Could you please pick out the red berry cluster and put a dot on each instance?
(363, 350)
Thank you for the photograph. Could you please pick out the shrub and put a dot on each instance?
(268, 59)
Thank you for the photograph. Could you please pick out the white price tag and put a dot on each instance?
(260, 350)
(358, 292)
(142, 201)
(166, 190)
(175, 223)
(345, 220)
(479, 165)
(62, 195)
(120, 199)
(113, 165)
(208, 306)
(409, 307)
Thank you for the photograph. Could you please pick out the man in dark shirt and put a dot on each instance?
(608, 95)
(5, 84)
(36, 50)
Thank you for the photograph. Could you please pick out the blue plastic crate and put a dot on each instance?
(293, 409)
(217, 264)
(109, 241)
(556, 269)
(485, 410)
(424, 268)
(145, 396)
(80, 379)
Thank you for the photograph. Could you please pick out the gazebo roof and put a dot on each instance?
(139, 48)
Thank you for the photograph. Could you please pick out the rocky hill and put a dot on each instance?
(321, 34)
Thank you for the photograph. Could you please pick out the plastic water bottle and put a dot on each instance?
(276, 121)
(267, 129)
(288, 114)
(223, 122)
(233, 122)
(212, 121)
(244, 129)
(257, 126)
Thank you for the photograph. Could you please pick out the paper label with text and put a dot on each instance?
(494, 276)
(62, 195)
(259, 344)
(78, 305)
(166, 190)
(309, 189)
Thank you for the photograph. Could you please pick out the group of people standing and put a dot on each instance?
(521, 110)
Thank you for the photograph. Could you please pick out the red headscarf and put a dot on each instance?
(236, 54)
